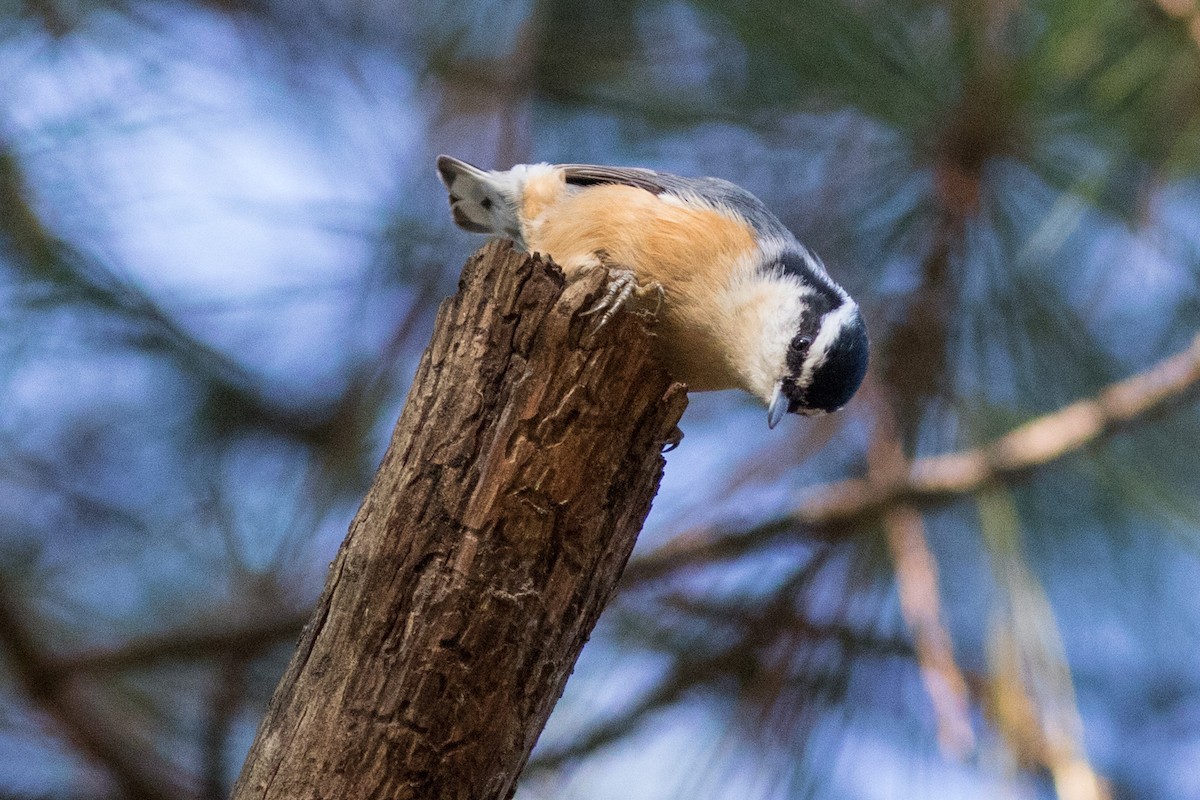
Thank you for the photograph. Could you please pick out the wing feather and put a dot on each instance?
(714, 192)
(592, 174)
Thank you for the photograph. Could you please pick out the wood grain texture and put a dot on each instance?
(502, 515)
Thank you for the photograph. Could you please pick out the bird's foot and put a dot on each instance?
(623, 290)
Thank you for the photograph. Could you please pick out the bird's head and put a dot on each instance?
(824, 364)
(811, 348)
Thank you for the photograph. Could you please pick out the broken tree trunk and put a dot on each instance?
(497, 527)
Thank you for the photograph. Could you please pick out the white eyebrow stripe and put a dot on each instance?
(831, 326)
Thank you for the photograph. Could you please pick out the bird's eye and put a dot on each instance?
(801, 344)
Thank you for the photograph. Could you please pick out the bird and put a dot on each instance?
(741, 303)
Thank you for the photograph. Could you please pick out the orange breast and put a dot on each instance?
(692, 251)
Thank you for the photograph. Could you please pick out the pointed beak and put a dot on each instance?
(778, 406)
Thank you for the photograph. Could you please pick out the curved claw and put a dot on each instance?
(622, 286)
(673, 440)
(661, 293)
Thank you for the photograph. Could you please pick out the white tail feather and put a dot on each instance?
(481, 201)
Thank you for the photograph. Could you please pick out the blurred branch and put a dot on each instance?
(685, 677)
(1030, 697)
(1185, 12)
(227, 696)
(149, 651)
(107, 739)
(22, 469)
(917, 586)
(762, 623)
(933, 480)
(54, 683)
(64, 274)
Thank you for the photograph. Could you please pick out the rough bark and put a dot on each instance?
(497, 527)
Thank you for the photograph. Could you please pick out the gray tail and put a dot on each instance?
(481, 201)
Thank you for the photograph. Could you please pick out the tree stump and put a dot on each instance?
(499, 522)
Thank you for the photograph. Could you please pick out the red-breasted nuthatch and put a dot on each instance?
(743, 303)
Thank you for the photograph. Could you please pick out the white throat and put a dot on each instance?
(762, 313)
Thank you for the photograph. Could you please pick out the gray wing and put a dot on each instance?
(711, 191)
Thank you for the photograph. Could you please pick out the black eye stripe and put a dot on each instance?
(798, 351)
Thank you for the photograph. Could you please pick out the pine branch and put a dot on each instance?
(916, 573)
(935, 480)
